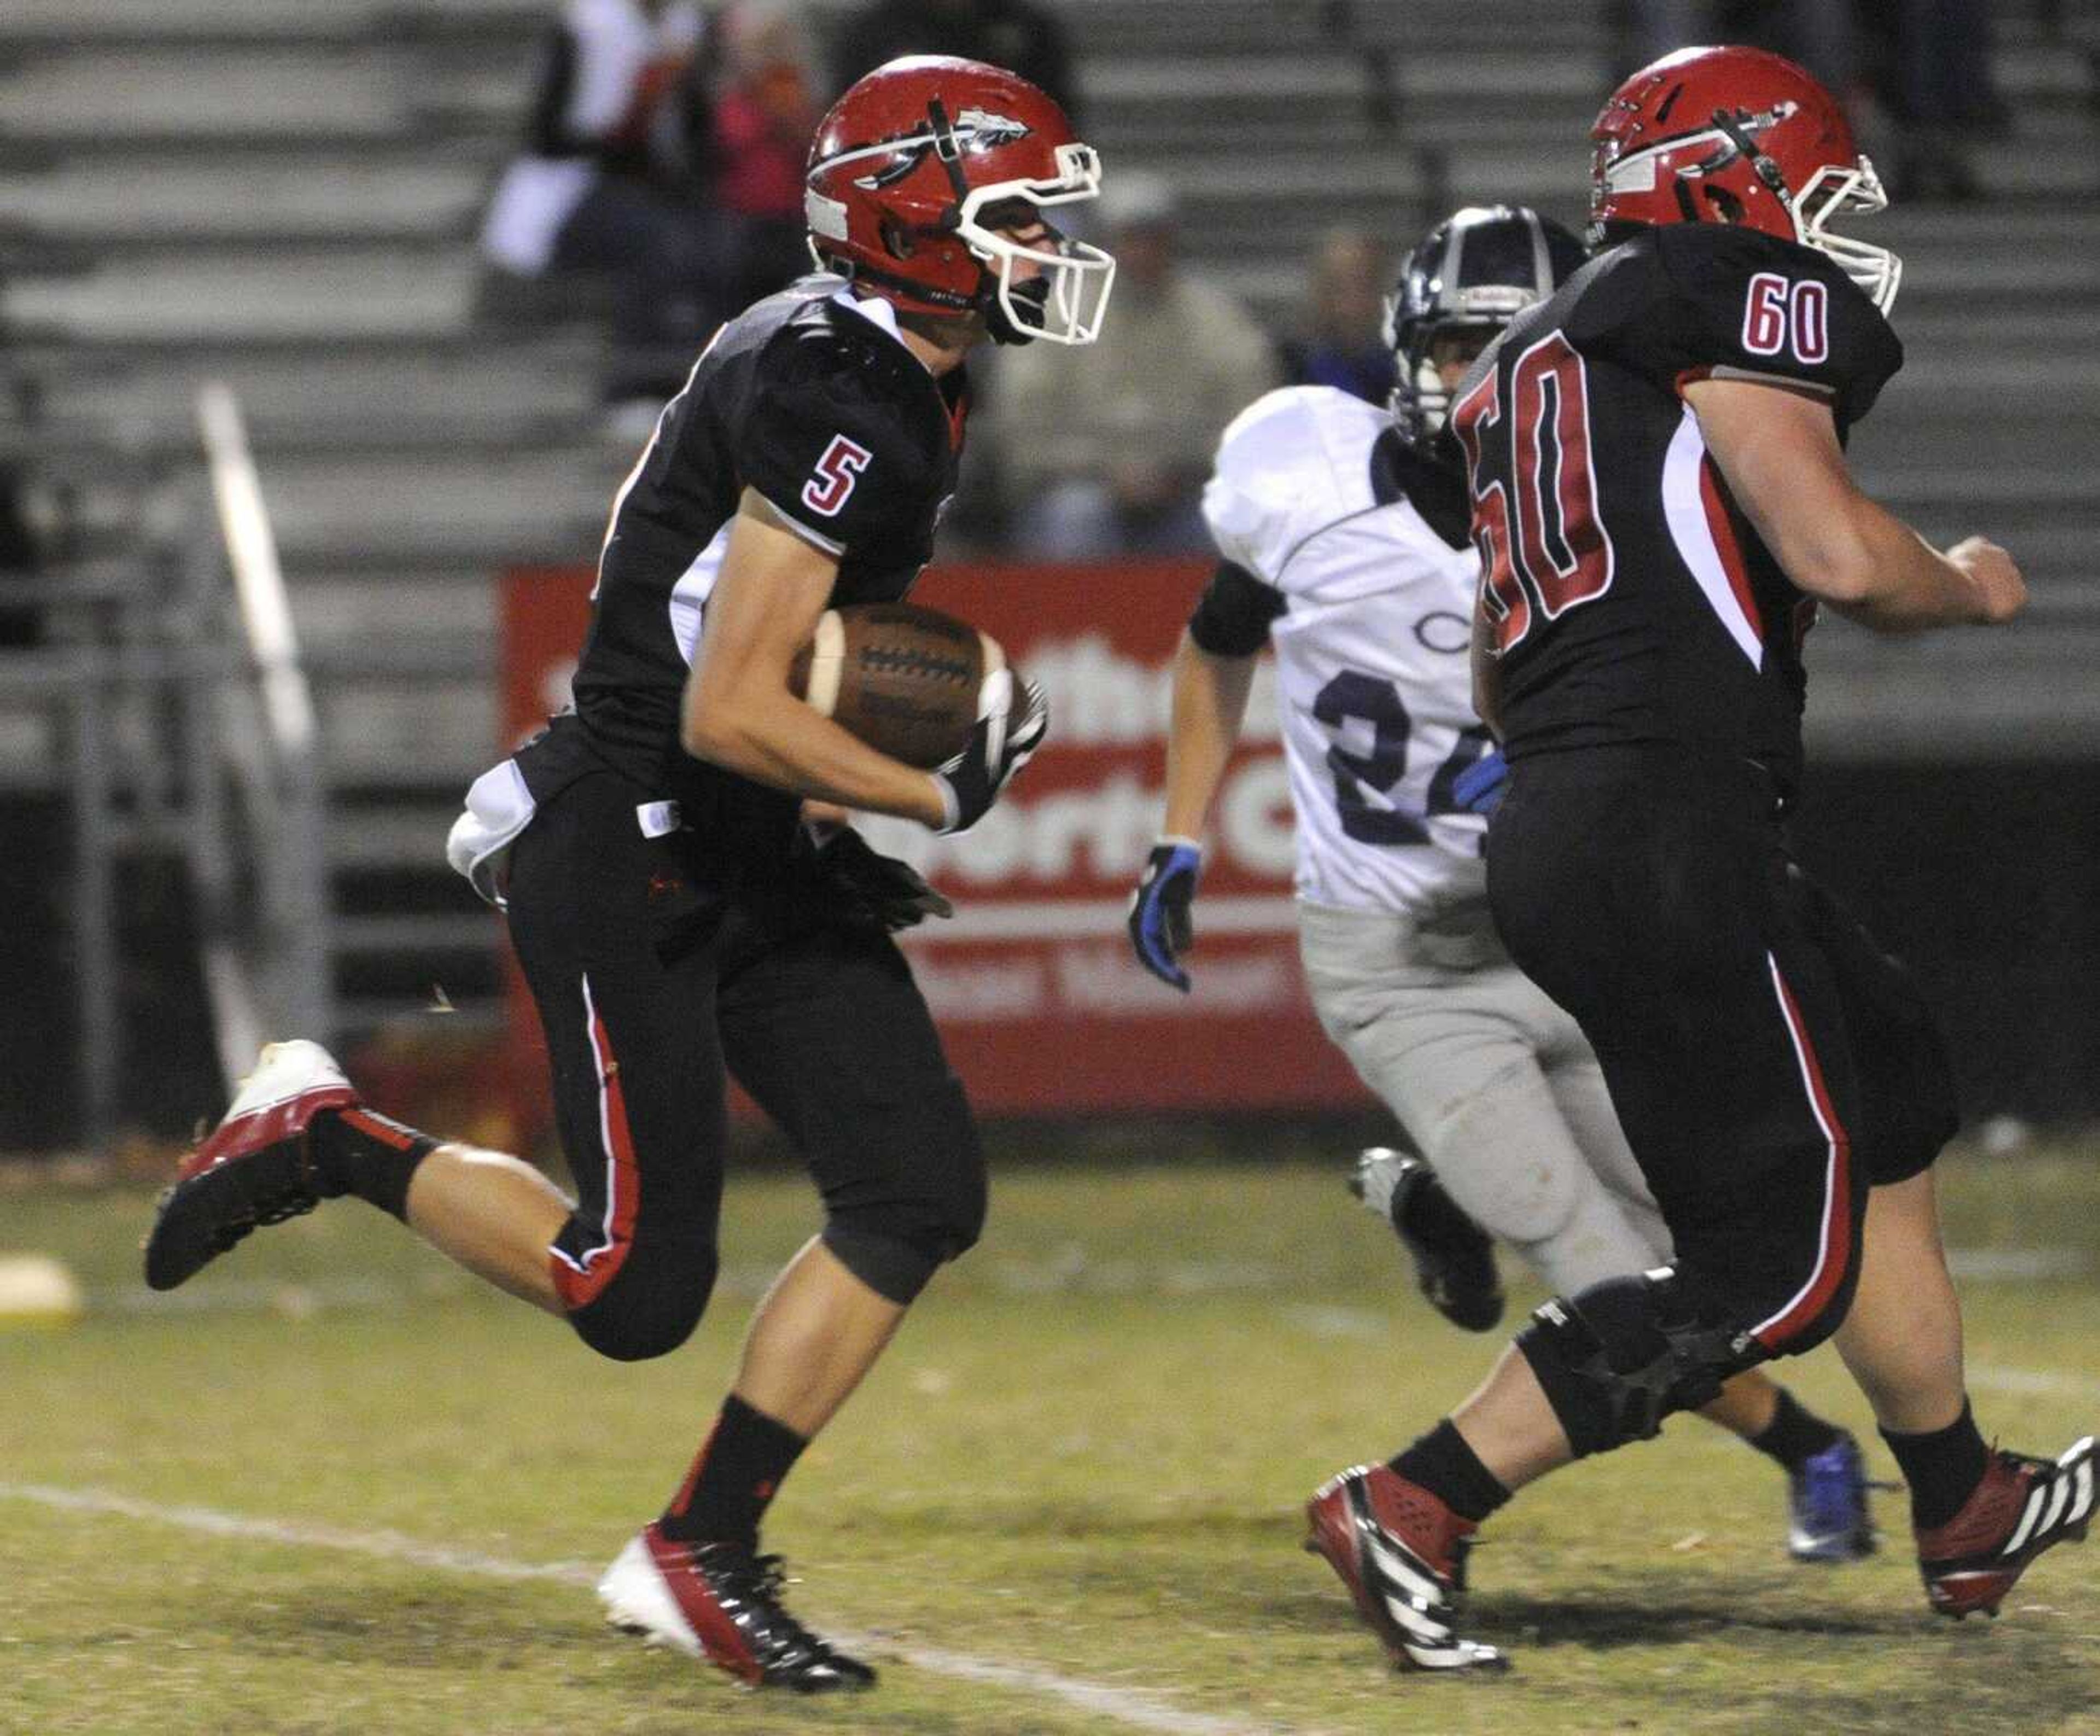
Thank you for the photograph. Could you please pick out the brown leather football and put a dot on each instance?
(902, 678)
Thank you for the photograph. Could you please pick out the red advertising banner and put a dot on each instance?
(1042, 1006)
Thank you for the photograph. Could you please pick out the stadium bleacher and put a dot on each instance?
(284, 196)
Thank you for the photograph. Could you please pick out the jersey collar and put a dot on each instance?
(877, 311)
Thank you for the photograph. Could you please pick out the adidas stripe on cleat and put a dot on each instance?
(2022, 1507)
(1401, 1553)
(255, 1168)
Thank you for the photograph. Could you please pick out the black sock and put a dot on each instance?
(1942, 1467)
(356, 1151)
(734, 1479)
(1443, 1464)
(1795, 1434)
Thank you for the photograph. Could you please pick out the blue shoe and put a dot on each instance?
(1826, 1501)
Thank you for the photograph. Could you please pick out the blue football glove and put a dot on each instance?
(1159, 923)
(1480, 787)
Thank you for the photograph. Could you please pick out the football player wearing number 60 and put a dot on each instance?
(676, 915)
(1662, 500)
(1343, 528)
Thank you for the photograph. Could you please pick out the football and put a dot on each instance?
(903, 680)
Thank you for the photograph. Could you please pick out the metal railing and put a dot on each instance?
(180, 733)
(267, 957)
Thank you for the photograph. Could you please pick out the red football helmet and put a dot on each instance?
(1738, 135)
(918, 168)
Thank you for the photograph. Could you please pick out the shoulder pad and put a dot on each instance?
(1291, 464)
(1693, 300)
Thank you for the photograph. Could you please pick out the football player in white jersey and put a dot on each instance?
(1344, 530)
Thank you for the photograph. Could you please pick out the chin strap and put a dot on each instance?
(855, 272)
(1003, 329)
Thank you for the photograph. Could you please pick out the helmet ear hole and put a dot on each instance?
(897, 239)
(1726, 203)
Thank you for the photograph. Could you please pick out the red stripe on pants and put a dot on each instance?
(578, 1288)
(1833, 1254)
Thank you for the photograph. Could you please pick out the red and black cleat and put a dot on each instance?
(256, 1167)
(721, 1602)
(1402, 1554)
(2022, 1507)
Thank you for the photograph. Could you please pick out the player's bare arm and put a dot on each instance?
(738, 712)
(1210, 704)
(1778, 450)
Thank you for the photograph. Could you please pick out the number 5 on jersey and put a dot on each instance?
(1543, 547)
(832, 487)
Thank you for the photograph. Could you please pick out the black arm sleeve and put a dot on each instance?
(1232, 616)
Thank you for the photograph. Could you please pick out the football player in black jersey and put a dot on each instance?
(1344, 531)
(679, 914)
(1662, 502)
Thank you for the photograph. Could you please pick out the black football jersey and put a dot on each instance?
(1631, 599)
(818, 406)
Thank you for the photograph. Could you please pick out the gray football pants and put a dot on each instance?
(1494, 1084)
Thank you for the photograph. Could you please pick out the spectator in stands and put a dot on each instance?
(1105, 450)
(1821, 35)
(1933, 73)
(1012, 34)
(1343, 345)
(765, 110)
(1818, 34)
(1928, 60)
(610, 180)
(1645, 30)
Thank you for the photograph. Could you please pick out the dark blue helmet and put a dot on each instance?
(1477, 270)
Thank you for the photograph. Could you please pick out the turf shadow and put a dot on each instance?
(475, 1627)
(1603, 1624)
(1064, 1522)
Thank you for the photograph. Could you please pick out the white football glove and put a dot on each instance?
(999, 746)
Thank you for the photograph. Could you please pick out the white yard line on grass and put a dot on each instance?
(1133, 1709)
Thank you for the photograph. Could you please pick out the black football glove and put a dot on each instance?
(1160, 926)
(870, 887)
(1010, 727)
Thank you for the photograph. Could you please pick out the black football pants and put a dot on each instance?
(652, 984)
(1768, 1063)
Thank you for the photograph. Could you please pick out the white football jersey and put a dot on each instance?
(1373, 680)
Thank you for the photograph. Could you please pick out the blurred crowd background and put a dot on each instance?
(451, 256)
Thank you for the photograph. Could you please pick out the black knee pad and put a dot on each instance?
(895, 1270)
(1616, 1359)
(648, 1309)
(895, 1249)
(894, 1232)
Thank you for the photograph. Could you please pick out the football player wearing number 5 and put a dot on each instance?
(1343, 530)
(676, 919)
(1662, 502)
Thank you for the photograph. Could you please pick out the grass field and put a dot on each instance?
(1067, 1502)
